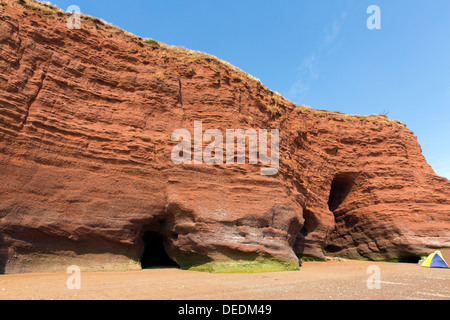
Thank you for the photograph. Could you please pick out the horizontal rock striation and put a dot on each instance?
(86, 118)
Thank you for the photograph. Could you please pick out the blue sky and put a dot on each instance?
(318, 52)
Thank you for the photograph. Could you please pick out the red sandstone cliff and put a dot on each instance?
(85, 123)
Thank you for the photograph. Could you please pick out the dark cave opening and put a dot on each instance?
(340, 188)
(3, 260)
(407, 259)
(154, 253)
(3, 254)
(310, 223)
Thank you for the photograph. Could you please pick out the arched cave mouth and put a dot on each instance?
(155, 256)
(341, 186)
(408, 259)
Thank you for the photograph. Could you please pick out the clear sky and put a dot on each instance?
(318, 52)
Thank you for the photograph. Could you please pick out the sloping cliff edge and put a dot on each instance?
(85, 123)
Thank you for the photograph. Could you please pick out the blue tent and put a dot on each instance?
(435, 260)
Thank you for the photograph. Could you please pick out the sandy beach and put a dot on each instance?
(316, 280)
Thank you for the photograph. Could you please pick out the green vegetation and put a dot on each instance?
(274, 109)
(238, 87)
(405, 258)
(159, 76)
(245, 266)
(413, 258)
(310, 259)
(43, 8)
(152, 42)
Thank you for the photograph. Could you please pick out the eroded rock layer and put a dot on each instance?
(85, 123)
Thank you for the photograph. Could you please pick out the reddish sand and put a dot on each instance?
(315, 280)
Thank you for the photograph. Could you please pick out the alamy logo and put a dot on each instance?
(374, 280)
(374, 21)
(74, 280)
(214, 152)
(74, 21)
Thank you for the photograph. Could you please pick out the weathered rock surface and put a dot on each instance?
(85, 123)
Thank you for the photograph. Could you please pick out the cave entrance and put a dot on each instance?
(340, 188)
(155, 256)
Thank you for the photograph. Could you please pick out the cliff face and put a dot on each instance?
(85, 123)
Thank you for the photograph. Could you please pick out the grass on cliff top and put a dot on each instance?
(380, 119)
(245, 266)
(47, 8)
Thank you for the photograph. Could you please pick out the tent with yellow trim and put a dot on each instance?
(435, 260)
